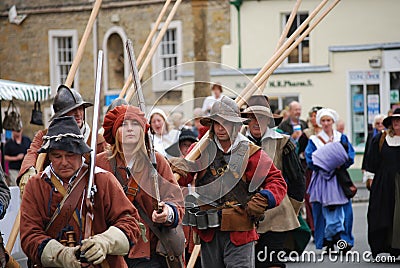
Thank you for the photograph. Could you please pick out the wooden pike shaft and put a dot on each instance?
(68, 82)
(285, 32)
(75, 64)
(250, 88)
(154, 46)
(276, 64)
(144, 48)
(195, 152)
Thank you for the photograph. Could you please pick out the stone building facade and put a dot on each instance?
(34, 50)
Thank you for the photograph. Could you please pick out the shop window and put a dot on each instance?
(301, 54)
(394, 90)
(62, 46)
(365, 105)
(279, 103)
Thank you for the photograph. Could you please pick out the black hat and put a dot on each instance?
(387, 122)
(64, 134)
(185, 135)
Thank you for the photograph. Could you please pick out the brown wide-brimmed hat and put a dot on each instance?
(225, 109)
(258, 104)
(388, 120)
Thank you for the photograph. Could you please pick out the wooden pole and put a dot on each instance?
(249, 89)
(154, 46)
(68, 82)
(276, 64)
(278, 60)
(82, 44)
(193, 256)
(14, 233)
(285, 32)
(145, 46)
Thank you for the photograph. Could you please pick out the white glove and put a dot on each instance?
(112, 242)
(56, 255)
(24, 179)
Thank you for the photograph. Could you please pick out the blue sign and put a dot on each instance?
(358, 103)
(108, 99)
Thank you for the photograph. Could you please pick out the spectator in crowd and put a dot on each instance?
(340, 125)
(384, 203)
(294, 127)
(181, 146)
(163, 135)
(15, 150)
(284, 113)
(377, 127)
(176, 120)
(216, 95)
(332, 211)
(313, 127)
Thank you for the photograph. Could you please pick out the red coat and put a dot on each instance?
(274, 187)
(170, 192)
(111, 208)
(32, 155)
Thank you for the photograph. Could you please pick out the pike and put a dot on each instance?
(142, 107)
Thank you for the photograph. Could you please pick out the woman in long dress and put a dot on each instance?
(326, 152)
(383, 166)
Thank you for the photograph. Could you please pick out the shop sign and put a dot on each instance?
(289, 83)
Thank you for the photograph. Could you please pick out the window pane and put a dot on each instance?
(168, 55)
(357, 104)
(302, 53)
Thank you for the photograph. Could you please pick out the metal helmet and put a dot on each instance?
(66, 100)
(225, 109)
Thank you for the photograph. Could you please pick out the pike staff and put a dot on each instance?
(142, 107)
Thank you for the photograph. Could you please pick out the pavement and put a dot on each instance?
(362, 194)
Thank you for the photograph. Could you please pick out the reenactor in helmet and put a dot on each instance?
(67, 102)
(235, 179)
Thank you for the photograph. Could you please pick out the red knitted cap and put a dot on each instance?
(115, 117)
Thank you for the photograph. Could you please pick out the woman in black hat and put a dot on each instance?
(384, 202)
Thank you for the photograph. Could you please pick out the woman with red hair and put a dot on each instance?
(125, 129)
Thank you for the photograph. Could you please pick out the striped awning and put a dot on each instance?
(23, 91)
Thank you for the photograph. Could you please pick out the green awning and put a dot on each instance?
(23, 91)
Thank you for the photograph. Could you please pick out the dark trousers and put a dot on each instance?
(268, 242)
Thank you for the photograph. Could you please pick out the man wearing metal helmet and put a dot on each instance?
(236, 180)
(67, 102)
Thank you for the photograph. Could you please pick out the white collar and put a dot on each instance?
(240, 138)
(318, 143)
(393, 141)
(270, 133)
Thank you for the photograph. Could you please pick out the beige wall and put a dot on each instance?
(351, 22)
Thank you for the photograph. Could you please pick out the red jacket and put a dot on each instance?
(170, 193)
(273, 188)
(111, 208)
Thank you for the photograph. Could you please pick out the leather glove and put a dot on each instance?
(256, 206)
(56, 255)
(24, 179)
(112, 242)
(180, 166)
